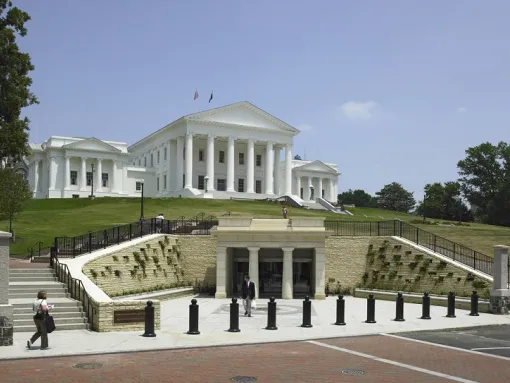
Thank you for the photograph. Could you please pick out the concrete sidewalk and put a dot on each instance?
(214, 321)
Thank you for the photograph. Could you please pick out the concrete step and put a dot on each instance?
(59, 327)
(23, 304)
(31, 271)
(70, 320)
(36, 285)
(63, 315)
(24, 278)
(59, 294)
(56, 310)
(35, 290)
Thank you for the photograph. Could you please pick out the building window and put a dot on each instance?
(184, 153)
(164, 154)
(158, 156)
(139, 162)
(222, 157)
(76, 196)
(157, 184)
(104, 178)
(89, 178)
(183, 180)
(152, 159)
(322, 194)
(138, 186)
(164, 182)
(221, 185)
(241, 158)
(259, 160)
(240, 185)
(258, 186)
(201, 155)
(145, 161)
(74, 177)
(201, 183)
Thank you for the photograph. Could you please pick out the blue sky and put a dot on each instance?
(388, 90)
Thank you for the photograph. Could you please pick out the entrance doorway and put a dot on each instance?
(302, 278)
(270, 279)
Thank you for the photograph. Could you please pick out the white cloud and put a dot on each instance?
(354, 110)
(304, 127)
(461, 110)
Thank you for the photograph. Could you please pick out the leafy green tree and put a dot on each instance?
(485, 181)
(394, 197)
(358, 198)
(297, 157)
(14, 194)
(14, 83)
(443, 201)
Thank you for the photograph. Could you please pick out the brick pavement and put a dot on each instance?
(281, 362)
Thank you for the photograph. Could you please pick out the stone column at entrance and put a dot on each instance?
(188, 178)
(319, 192)
(210, 162)
(221, 272)
(287, 273)
(254, 268)
(500, 293)
(230, 164)
(179, 185)
(250, 167)
(99, 173)
(6, 310)
(320, 273)
(288, 169)
(83, 173)
(298, 186)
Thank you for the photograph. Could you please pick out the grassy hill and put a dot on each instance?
(43, 220)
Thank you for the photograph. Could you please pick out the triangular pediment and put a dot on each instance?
(243, 114)
(316, 166)
(92, 143)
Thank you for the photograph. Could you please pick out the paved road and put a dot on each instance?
(359, 359)
(493, 340)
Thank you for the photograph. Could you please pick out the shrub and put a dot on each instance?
(93, 273)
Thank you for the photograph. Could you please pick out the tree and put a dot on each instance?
(485, 181)
(358, 198)
(297, 157)
(14, 194)
(444, 202)
(14, 83)
(394, 197)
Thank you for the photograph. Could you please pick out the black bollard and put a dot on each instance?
(149, 320)
(451, 305)
(340, 311)
(307, 312)
(425, 308)
(474, 304)
(400, 308)
(193, 318)
(370, 309)
(234, 316)
(271, 315)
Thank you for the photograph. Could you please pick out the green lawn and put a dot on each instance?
(42, 220)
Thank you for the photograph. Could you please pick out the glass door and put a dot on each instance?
(270, 276)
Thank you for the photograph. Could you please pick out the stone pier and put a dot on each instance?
(500, 293)
(6, 310)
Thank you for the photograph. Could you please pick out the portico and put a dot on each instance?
(283, 257)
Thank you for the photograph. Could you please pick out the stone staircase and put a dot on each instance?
(24, 284)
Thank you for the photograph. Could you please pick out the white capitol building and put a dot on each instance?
(234, 151)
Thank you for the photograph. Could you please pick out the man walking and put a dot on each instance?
(248, 295)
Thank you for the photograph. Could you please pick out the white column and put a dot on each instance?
(172, 165)
(306, 189)
(113, 182)
(189, 161)
(230, 164)
(320, 273)
(254, 268)
(298, 186)
(277, 170)
(67, 173)
(288, 169)
(99, 172)
(287, 281)
(180, 163)
(210, 162)
(319, 192)
(51, 167)
(250, 167)
(36, 176)
(83, 173)
(335, 196)
(269, 167)
(168, 185)
(221, 272)
(332, 196)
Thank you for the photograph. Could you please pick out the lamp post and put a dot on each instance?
(92, 182)
(424, 207)
(206, 183)
(141, 204)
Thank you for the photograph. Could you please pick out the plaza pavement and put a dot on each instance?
(214, 322)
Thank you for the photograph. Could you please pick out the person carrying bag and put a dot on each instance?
(44, 322)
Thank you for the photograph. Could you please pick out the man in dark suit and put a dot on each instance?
(248, 292)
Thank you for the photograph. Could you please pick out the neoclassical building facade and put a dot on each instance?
(235, 151)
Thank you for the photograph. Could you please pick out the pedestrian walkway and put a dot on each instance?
(214, 321)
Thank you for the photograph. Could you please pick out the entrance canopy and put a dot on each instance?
(255, 234)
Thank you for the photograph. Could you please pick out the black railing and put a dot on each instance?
(70, 247)
(443, 246)
(76, 289)
(35, 250)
